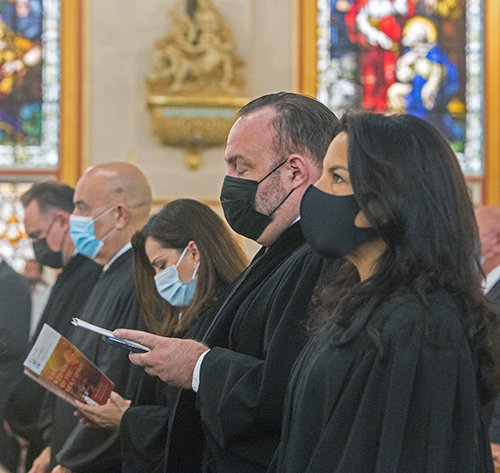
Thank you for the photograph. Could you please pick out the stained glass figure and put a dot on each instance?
(406, 56)
(29, 83)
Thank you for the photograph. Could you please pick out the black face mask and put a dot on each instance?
(237, 198)
(44, 255)
(327, 222)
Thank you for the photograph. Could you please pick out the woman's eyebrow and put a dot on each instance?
(334, 168)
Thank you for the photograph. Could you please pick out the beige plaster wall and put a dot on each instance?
(120, 42)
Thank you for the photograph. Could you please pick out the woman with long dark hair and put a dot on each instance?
(192, 240)
(185, 257)
(404, 347)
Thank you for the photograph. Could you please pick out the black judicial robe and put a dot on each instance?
(240, 401)
(15, 305)
(112, 303)
(67, 298)
(256, 337)
(143, 433)
(410, 405)
(493, 410)
(144, 425)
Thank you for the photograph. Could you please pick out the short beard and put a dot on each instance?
(270, 194)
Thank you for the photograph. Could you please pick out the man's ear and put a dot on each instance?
(299, 171)
(123, 216)
(496, 246)
(62, 218)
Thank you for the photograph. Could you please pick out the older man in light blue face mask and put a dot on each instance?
(108, 210)
(112, 201)
(83, 234)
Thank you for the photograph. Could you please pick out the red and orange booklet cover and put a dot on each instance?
(60, 367)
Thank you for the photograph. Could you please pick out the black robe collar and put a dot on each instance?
(262, 266)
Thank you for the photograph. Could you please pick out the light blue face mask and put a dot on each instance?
(172, 289)
(81, 231)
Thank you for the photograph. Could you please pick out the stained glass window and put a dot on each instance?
(29, 112)
(15, 246)
(418, 56)
(29, 83)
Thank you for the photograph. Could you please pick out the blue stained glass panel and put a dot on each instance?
(29, 83)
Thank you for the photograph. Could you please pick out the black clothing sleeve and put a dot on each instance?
(144, 430)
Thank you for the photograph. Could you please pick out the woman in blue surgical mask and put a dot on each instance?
(404, 347)
(185, 257)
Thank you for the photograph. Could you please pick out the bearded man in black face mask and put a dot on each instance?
(48, 206)
(240, 369)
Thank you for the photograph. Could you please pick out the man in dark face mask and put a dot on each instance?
(48, 206)
(48, 227)
(274, 152)
(264, 183)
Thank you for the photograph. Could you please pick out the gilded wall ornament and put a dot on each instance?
(196, 86)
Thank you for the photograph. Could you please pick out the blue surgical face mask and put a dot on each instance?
(172, 289)
(81, 231)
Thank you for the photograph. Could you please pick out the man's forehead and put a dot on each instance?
(257, 121)
(32, 212)
(34, 220)
(250, 133)
(90, 191)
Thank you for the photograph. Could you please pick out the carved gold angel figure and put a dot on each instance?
(197, 57)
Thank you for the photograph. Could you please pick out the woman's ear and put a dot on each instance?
(374, 209)
(193, 252)
(361, 221)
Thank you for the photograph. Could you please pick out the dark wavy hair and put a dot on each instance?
(409, 184)
(221, 260)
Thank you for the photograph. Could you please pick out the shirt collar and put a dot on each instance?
(293, 223)
(492, 278)
(114, 258)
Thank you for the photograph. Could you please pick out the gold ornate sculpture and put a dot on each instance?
(197, 82)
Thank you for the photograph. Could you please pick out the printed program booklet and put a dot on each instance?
(60, 367)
